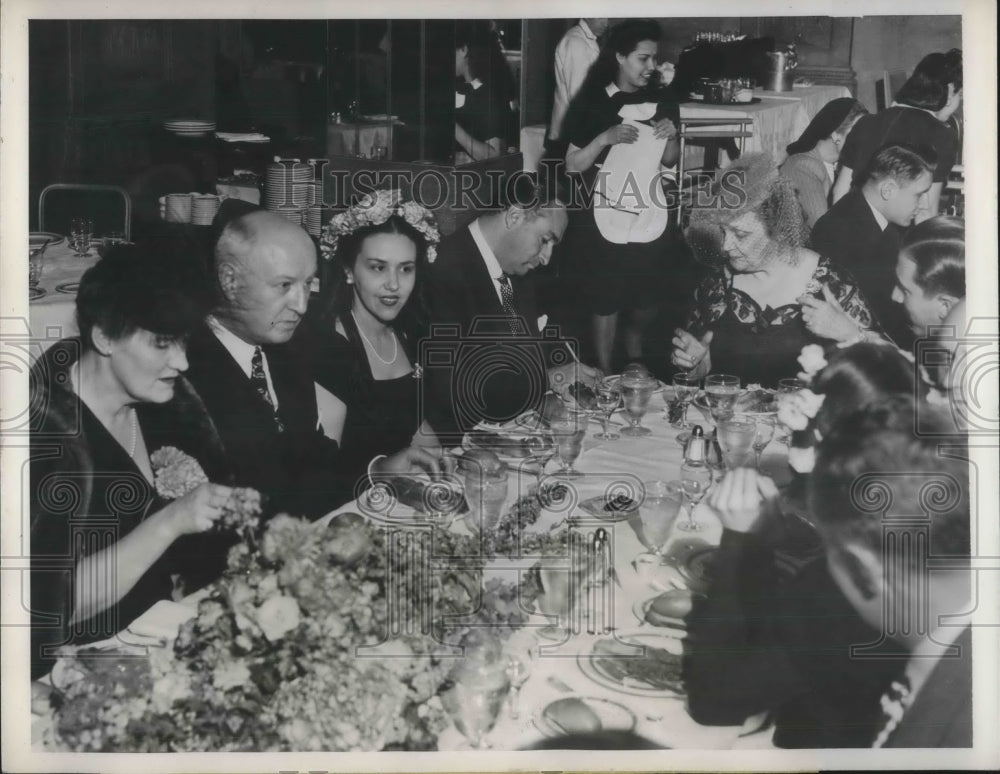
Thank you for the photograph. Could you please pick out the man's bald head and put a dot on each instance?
(265, 265)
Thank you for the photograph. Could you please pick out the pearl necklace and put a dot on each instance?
(135, 435)
(395, 343)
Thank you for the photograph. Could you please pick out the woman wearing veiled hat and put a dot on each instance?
(769, 296)
(811, 165)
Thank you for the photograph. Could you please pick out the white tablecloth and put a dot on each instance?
(359, 139)
(53, 316)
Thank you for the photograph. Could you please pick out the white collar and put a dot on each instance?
(489, 257)
(475, 83)
(612, 89)
(242, 352)
(586, 29)
(883, 222)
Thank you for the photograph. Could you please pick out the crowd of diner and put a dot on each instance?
(234, 358)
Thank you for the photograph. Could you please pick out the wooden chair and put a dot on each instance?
(109, 207)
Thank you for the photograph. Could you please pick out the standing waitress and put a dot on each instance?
(619, 105)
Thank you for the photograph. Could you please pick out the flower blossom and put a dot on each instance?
(812, 359)
(802, 460)
(278, 616)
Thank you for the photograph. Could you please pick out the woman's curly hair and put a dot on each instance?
(750, 184)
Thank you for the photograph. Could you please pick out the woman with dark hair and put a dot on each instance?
(360, 342)
(767, 296)
(618, 105)
(104, 546)
(918, 116)
(483, 93)
(812, 159)
(760, 642)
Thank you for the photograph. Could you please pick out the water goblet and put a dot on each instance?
(609, 397)
(736, 434)
(654, 519)
(80, 232)
(485, 493)
(568, 435)
(763, 433)
(685, 388)
(636, 394)
(721, 391)
(696, 478)
(473, 699)
(541, 449)
(786, 387)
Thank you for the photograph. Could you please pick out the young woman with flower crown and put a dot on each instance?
(360, 341)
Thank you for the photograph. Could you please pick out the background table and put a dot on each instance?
(360, 139)
(53, 316)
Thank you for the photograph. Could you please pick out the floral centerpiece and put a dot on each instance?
(291, 650)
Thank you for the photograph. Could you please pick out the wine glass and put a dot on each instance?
(518, 666)
(654, 519)
(685, 388)
(721, 391)
(696, 478)
(541, 449)
(636, 394)
(609, 397)
(485, 492)
(763, 433)
(81, 231)
(736, 434)
(786, 387)
(474, 697)
(560, 591)
(568, 435)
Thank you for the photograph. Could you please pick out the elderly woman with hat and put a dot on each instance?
(767, 296)
(811, 165)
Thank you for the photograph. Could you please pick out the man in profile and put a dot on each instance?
(482, 287)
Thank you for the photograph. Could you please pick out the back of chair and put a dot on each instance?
(109, 207)
(888, 86)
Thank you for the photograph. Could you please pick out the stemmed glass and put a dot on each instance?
(519, 663)
(654, 519)
(568, 435)
(696, 478)
(474, 698)
(721, 391)
(609, 397)
(786, 387)
(541, 449)
(736, 435)
(763, 433)
(636, 394)
(80, 232)
(685, 388)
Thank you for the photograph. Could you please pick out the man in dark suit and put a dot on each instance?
(261, 399)
(863, 230)
(484, 309)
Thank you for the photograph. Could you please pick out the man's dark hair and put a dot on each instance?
(927, 88)
(937, 247)
(900, 162)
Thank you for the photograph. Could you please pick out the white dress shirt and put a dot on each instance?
(242, 353)
(576, 52)
(489, 258)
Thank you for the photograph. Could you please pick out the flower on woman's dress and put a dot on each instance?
(175, 473)
(812, 359)
(802, 459)
(795, 409)
(230, 674)
(278, 616)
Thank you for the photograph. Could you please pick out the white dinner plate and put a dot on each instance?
(37, 238)
(602, 668)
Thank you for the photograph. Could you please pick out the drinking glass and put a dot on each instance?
(721, 391)
(80, 232)
(787, 386)
(485, 493)
(736, 436)
(474, 697)
(636, 394)
(36, 259)
(561, 589)
(654, 519)
(696, 478)
(763, 433)
(568, 436)
(541, 449)
(609, 397)
(685, 388)
(518, 667)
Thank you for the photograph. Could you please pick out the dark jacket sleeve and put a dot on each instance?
(735, 665)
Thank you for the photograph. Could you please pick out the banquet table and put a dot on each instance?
(53, 316)
(558, 670)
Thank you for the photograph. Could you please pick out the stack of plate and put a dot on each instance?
(313, 221)
(287, 183)
(189, 127)
(203, 209)
(315, 194)
(177, 208)
(290, 212)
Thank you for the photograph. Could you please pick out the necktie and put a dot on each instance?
(259, 382)
(895, 701)
(507, 301)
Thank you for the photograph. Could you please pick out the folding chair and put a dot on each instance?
(109, 207)
(733, 127)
